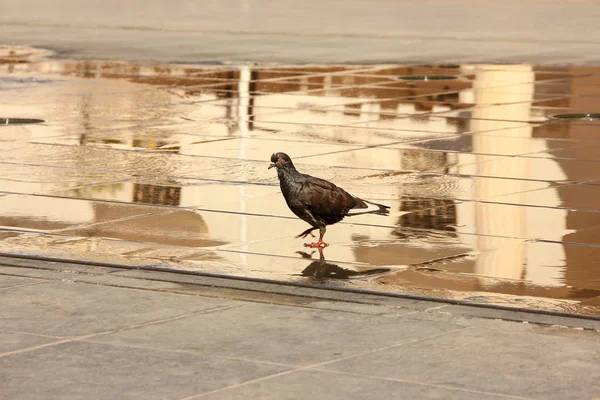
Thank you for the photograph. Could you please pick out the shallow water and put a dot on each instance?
(158, 164)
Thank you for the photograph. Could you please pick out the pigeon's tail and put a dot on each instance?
(382, 209)
(370, 206)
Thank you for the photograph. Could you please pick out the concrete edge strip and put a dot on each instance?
(350, 295)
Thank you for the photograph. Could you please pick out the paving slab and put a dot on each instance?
(280, 334)
(79, 370)
(64, 272)
(473, 358)
(152, 343)
(70, 309)
(12, 281)
(330, 385)
(14, 341)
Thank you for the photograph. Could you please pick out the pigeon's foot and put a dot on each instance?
(306, 233)
(316, 245)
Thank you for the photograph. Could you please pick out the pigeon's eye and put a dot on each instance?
(281, 160)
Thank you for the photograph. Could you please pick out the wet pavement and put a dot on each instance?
(546, 32)
(73, 331)
(492, 199)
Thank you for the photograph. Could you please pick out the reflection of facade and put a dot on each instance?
(222, 94)
(496, 228)
(582, 227)
(179, 228)
(512, 91)
(226, 107)
(155, 194)
(418, 160)
(436, 214)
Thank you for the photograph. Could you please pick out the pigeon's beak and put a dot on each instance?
(272, 165)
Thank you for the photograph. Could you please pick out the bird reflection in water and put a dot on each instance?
(321, 269)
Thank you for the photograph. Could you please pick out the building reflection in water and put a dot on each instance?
(511, 90)
(426, 214)
(209, 105)
(495, 228)
(580, 227)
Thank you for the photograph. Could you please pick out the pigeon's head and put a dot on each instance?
(281, 160)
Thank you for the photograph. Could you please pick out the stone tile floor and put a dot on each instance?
(73, 331)
(493, 200)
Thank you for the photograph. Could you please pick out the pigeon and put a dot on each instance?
(316, 201)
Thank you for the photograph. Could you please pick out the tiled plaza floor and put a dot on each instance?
(74, 331)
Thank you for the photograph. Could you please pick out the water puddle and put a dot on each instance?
(492, 172)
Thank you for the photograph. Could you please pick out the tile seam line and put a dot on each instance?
(380, 170)
(351, 73)
(390, 81)
(356, 124)
(187, 352)
(305, 286)
(440, 114)
(384, 85)
(425, 96)
(308, 367)
(42, 280)
(79, 338)
(272, 302)
(32, 334)
(495, 157)
(203, 209)
(112, 221)
(350, 147)
(51, 194)
(331, 107)
(407, 314)
(586, 182)
(77, 275)
(67, 231)
(367, 147)
(399, 116)
(283, 80)
(267, 302)
(474, 106)
(496, 394)
(169, 210)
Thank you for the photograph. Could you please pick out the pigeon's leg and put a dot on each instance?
(320, 244)
(306, 233)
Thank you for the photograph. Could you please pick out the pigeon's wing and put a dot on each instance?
(325, 200)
